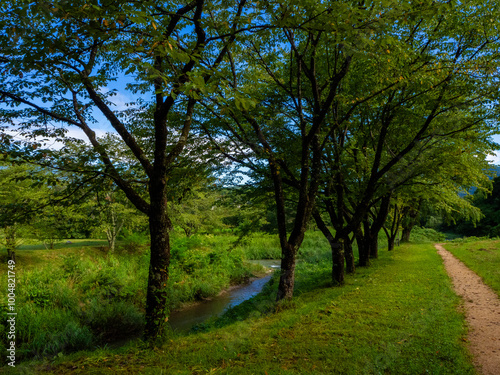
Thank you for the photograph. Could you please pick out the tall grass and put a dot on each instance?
(79, 298)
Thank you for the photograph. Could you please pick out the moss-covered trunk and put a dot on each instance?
(156, 297)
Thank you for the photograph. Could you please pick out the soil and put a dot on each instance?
(482, 311)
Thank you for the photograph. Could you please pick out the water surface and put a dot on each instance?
(183, 320)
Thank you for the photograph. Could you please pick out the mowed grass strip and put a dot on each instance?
(398, 316)
(483, 257)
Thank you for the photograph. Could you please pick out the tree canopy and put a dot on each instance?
(335, 107)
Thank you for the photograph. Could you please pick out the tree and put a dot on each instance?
(115, 214)
(488, 202)
(18, 199)
(59, 61)
(427, 106)
(275, 118)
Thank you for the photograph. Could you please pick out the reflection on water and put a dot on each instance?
(269, 263)
(185, 319)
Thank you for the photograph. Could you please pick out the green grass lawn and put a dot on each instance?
(483, 257)
(398, 316)
(30, 256)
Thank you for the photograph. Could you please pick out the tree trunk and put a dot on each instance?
(336, 248)
(364, 253)
(409, 221)
(10, 242)
(113, 231)
(338, 261)
(349, 255)
(373, 244)
(111, 236)
(287, 275)
(156, 298)
(406, 232)
(390, 243)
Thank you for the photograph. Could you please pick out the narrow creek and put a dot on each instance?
(184, 319)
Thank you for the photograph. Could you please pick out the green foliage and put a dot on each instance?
(424, 235)
(109, 319)
(133, 240)
(381, 96)
(74, 299)
(489, 204)
(261, 246)
(202, 266)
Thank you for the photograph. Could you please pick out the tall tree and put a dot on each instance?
(441, 90)
(274, 113)
(59, 62)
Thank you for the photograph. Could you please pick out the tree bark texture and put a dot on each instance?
(390, 243)
(349, 256)
(405, 233)
(373, 243)
(156, 297)
(287, 275)
(409, 221)
(363, 250)
(338, 262)
(336, 248)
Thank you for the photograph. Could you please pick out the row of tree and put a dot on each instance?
(346, 112)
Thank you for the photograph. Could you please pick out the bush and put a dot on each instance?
(109, 321)
(91, 297)
(132, 241)
(419, 234)
(49, 331)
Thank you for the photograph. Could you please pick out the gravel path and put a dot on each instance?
(482, 311)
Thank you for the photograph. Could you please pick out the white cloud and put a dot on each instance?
(73, 132)
(494, 158)
(119, 99)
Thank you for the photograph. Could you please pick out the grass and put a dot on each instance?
(481, 256)
(64, 244)
(77, 296)
(398, 316)
(33, 256)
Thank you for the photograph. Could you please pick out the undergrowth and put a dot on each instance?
(79, 298)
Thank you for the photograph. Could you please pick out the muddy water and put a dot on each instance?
(183, 320)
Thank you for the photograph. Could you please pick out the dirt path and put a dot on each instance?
(482, 311)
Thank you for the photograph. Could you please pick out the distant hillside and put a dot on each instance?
(496, 170)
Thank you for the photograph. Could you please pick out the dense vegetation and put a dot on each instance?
(213, 132)
(398, 316)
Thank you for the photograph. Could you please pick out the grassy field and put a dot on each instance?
(481, 256)
(398, 316)
(79, 296)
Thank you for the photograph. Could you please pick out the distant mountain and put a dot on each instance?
(496, 170)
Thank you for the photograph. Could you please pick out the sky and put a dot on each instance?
(496, 158)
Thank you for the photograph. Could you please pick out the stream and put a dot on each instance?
(183, 320)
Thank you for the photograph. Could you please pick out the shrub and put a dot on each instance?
(49, 331)
(419, 234)
(109, 321)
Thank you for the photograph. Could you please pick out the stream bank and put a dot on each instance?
(182, 320)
